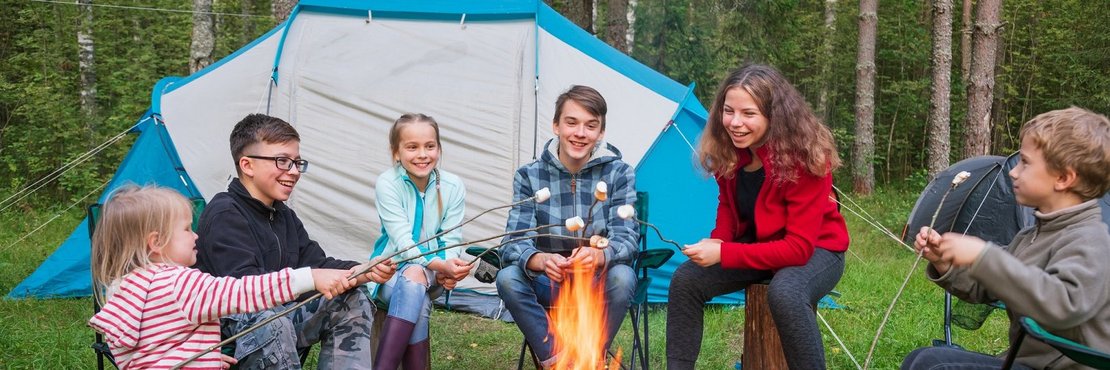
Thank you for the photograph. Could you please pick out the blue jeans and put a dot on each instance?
(947, 358)
(411, 301)
(527, 299)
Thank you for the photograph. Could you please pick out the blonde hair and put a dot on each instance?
(1078, 139)
(126, 219)
(796, 138)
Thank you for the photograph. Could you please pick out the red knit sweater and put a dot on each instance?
(792, 219)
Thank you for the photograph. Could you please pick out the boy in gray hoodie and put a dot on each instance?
(1054, 271)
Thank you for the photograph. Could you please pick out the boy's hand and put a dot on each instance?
(959, 249)
(550, 264)
(331, 282)
(589, 255)
(379, 274)
(926, 244)
(705, 253)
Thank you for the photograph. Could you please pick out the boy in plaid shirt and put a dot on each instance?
(571, 166)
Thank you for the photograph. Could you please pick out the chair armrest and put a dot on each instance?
(1078, 352)
(653, 258)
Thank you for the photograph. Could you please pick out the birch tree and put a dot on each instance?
(204, 36)
(86, 64)
(282, 8)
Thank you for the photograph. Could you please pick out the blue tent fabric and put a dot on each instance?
(152, 160)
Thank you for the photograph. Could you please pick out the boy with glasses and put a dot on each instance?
(248, 230)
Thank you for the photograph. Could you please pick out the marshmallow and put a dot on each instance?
(626, 212)
(575, 223)
(542, 195)
(601, 191)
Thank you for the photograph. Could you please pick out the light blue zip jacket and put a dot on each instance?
(401, 205)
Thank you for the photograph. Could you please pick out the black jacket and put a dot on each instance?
(241, 236)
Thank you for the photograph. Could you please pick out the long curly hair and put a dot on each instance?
(797, 140)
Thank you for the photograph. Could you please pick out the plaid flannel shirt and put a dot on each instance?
(572, 195)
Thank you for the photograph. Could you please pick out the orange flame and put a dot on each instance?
(578, 321)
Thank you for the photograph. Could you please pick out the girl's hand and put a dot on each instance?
(457, 269)
(227, 361)
(705, 253)
(446, 282)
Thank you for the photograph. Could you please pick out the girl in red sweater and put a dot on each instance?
(776, 219)
(159, 311)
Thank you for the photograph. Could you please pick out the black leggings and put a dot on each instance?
(792, 295)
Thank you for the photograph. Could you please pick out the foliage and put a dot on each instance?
(52, 333)
(41, 126)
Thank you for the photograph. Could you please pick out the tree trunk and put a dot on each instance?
(581, 13)
(826, 63)
(863, 172)
(246, 33)
(965, 42)
(616, 25)
(86, 63)
(204, 36)
(630, 33)
(980, 92)
(282, 8)
(938, 137)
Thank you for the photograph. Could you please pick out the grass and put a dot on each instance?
(51, 333)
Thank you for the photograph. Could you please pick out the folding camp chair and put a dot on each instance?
(646, 260)
(1077, 352)
(103, 353)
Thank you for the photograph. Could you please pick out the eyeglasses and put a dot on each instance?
(285, 163)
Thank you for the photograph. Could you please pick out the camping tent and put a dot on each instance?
(342, 71)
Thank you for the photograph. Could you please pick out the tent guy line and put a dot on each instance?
(27, 190)
(59, 214)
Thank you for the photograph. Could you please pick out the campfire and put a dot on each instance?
(578, 316)
(578, 321)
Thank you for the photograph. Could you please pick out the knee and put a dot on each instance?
(511, 280)
(920, 358)
(684, 277)
(415, 274)
(356, 301)
(786, 298)
(621, 278)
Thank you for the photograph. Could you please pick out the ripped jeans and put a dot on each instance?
(409, 300)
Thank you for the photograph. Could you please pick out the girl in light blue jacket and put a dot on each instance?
(416, 200)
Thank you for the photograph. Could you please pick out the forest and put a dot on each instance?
(76, 75)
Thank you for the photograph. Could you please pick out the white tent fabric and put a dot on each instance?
(343, 79)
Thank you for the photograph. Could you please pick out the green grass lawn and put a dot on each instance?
(51, 334)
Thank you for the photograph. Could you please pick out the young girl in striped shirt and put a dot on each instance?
(159, 311)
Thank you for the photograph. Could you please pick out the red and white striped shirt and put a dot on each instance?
(158, 316)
